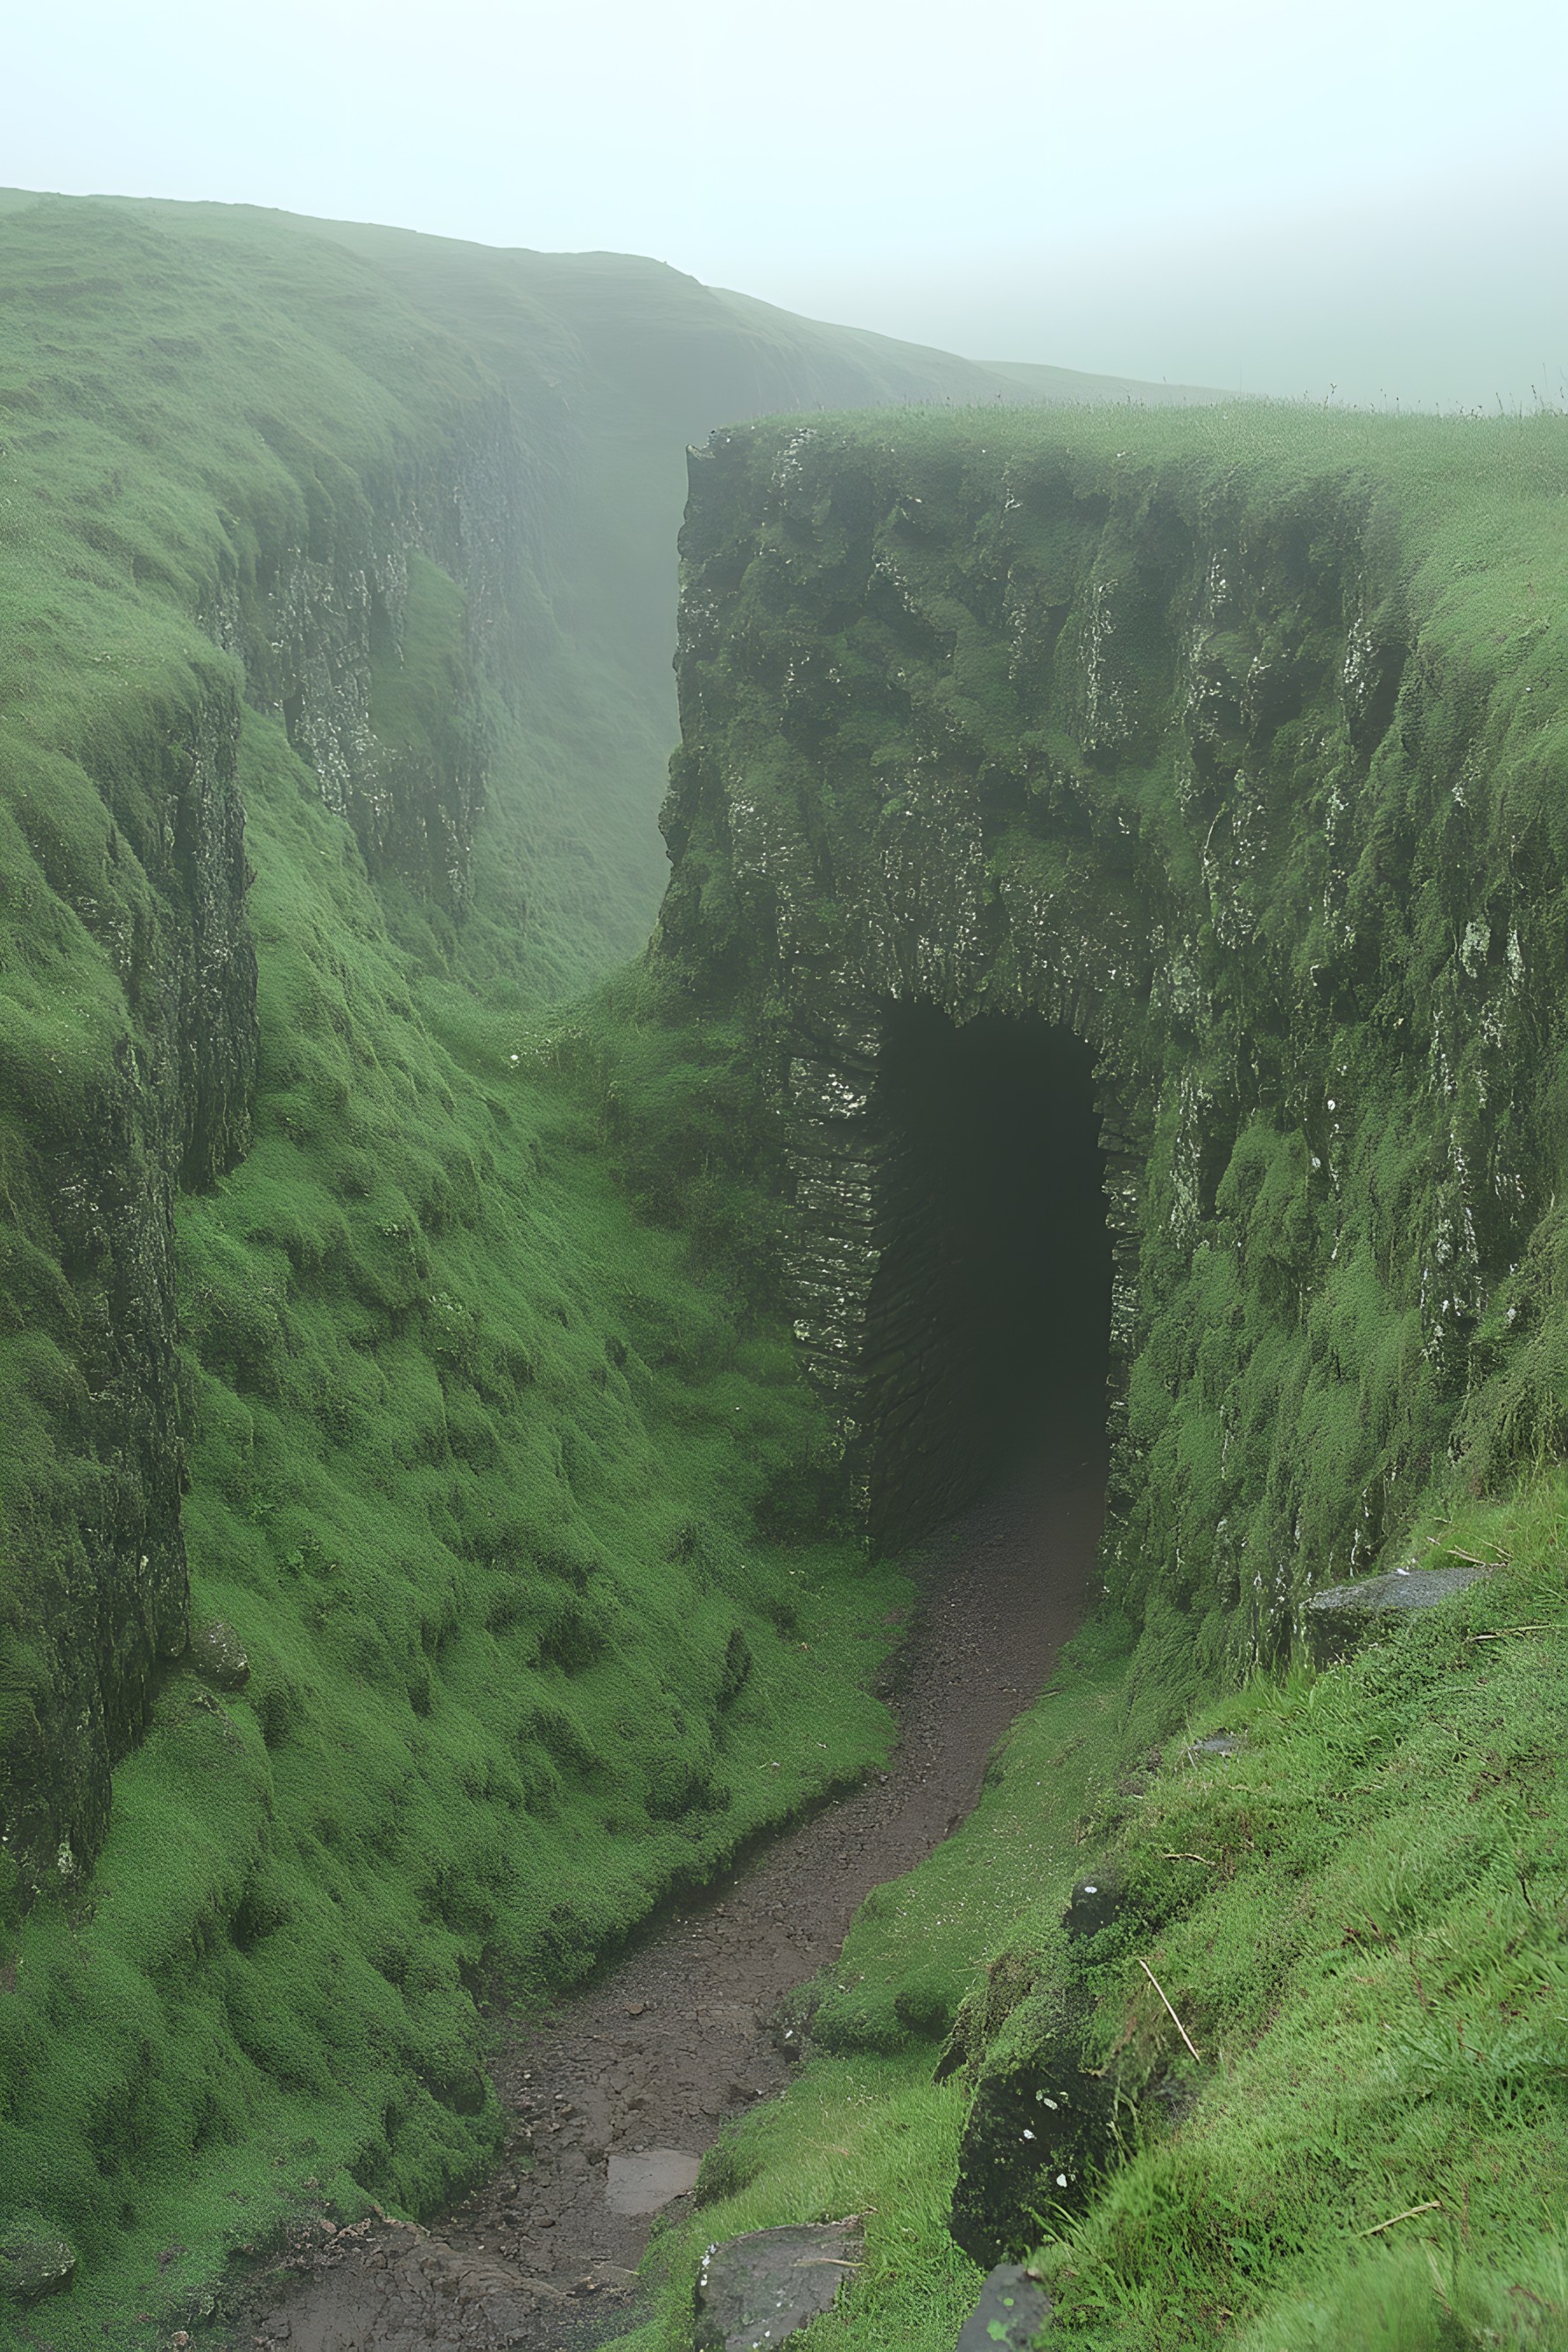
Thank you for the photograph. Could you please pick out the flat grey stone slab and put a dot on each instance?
(754, 2290)
(1343, 1615)
(1402, 1588)
(648, 2181)
(1012, 2309)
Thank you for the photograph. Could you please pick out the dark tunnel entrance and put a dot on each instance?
(988, 1327)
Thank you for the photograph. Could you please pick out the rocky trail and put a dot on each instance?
(614, 2097)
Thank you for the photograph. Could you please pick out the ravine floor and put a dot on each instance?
(616, 2096)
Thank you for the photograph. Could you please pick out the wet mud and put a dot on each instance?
(613, 2097)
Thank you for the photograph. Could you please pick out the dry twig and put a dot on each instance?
(1433, 2205)
(1175, 2021)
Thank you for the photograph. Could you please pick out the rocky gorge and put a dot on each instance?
(467, 1415)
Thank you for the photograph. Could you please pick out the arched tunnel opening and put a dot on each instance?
(987, 1333)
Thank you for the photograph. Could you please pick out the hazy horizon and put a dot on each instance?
(1361, 205)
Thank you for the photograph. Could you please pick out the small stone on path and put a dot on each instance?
(650, 2179)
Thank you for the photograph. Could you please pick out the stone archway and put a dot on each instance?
(959, 1252)
(987, 1319)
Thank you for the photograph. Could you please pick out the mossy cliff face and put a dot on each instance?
(330, 628)
(95, 1147)
(1232, 746)
(136, 640)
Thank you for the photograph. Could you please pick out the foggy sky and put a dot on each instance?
(1280, 198)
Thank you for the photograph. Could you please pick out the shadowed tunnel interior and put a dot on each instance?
(988, 1327)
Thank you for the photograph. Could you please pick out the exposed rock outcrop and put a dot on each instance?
(1344, 1615)
(1164, 752)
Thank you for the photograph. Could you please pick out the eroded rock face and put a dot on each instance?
(415, 569)
(218, 1655)
(754, 2290)
(1040, 2134)
(95, 1589)
(32, 2267)
(1057, 731)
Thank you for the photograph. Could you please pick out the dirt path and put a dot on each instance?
(617, 2095)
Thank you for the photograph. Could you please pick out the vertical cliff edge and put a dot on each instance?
(1232, 748)
(182, 547)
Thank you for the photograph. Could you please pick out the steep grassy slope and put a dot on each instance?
(1358, 1917)
(177, 533)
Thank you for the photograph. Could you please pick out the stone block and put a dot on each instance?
(1012, 2309)
(1343, 1616)
(754, 2290)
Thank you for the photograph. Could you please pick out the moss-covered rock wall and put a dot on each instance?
(145, 610)
(125, 1068)
(1233, 745)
